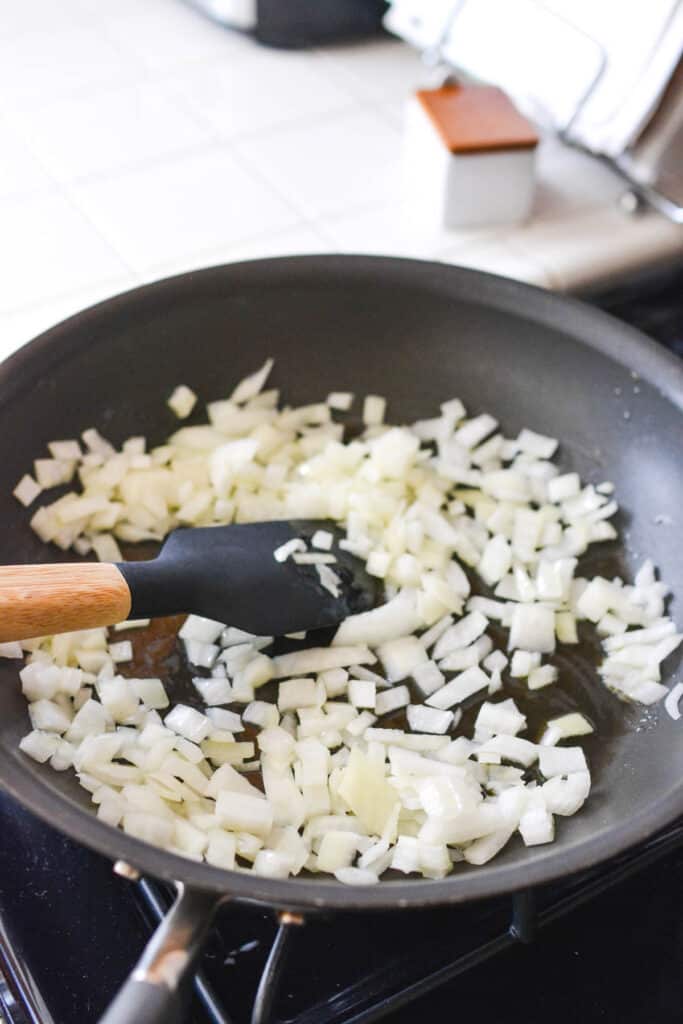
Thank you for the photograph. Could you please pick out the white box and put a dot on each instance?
(445, 188)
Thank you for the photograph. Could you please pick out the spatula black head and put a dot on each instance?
(229, 573)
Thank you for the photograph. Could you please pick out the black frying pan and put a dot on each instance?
(419, 333)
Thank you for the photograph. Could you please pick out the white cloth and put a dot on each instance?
(551, 54)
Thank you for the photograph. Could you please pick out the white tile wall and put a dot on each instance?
(44, 16)
(301, 240)
(190, 204)
(388, 229)
(126, 126)
(20, 325)
(165, 36)
(38, 66)
(138, 139)
(377, 71)
(329, 164)
(48, 247)
(275, 88)
(20, 172)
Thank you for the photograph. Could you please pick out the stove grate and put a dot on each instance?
(383, 990)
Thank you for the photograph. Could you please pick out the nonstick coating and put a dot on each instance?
(419, 333)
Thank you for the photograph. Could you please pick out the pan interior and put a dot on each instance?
(419, 334)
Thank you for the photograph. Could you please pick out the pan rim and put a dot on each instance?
(598, 330)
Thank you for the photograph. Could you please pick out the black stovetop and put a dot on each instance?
(609, 949)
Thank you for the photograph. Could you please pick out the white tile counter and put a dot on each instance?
(138, 139)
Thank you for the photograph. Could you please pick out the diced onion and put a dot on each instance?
(373, 410)
(424, 719)
(27, 490)
(188, 722)
(314, 783)
(341, 400)
(182, 401)
(11, 650)
(673, 700)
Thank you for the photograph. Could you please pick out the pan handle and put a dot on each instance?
(154, 992)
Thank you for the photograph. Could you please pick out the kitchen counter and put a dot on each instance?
(140, 140)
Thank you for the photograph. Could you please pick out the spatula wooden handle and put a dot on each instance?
(38, 600)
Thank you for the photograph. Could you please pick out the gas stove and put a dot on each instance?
(604, 946)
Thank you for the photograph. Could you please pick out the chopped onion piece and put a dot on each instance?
(297, 693)
(428, 677)
(151, 692)
(258, 670)
(53, 472)
(573, 724)
(538, 445)
(106, 548)
(131, 624)
(201, 654)
(503, 717)
(250, 386)
(204, 631)
(456, 661)
(373, 410)
(475, 430)
(39, 745)
(356, 876)
(436, 631)
(378, 563)
(536, 826)
(341, 400)
(241, 812)
(67, 451)
(401, 657)
(213, 691)
(459, 689)
(532, 628)
(335, 681)
(329, 580)
(565, 796)
(313, 558)
(482, 850)
(27, 490)
(463, 633)
(429, 720)
(362, 693)
(182, 401)
(390, 700)
(673, 700)
(231, 637)
(496, 661)
(495, 561)
(122, 651)
(398, 738)
(358, 725)
(366, 791)
(397, 618)
(542, 676)
(487, 607)
(524, 662)
(320, 659)
(11, 650)
(188, 722)
(282, 553)
(322, 539)
(512, 748)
